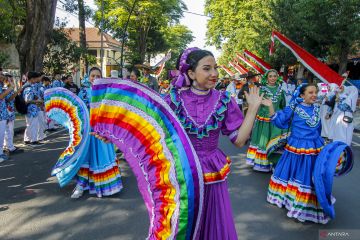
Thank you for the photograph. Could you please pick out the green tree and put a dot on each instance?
(236, 25)
(13, 15)
(177, 38)
(328, 29)
(84, 12)
(61, 52)
(146, 25)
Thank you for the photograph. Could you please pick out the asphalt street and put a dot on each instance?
(33, 206)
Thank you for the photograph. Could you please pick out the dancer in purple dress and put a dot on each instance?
(205, 113)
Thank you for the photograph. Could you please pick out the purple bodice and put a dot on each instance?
(204, 117)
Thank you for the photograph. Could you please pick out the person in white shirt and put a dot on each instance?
(234, 88)
(341, 123)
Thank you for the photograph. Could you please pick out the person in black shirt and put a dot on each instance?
(250, 81)
(70, 85)
(224, 82)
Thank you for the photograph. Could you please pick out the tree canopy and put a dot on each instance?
(328, 29)
(152, 28)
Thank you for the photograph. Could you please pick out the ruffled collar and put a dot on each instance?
(211, 122)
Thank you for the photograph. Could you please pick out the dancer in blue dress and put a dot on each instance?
(291, 184)
(100, 172)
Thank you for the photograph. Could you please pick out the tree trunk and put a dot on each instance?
(144, 30)
(32, 41)
(343, 59)
(82, 33)
(142, 45)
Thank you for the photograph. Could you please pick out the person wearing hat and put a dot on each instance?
(147, 79)
(263, 130)
(291, 185)
(234, 87)
(33, 101)
(250, 81)
(223, 83)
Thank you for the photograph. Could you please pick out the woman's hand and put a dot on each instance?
(253, 98)
(266, 102)
(104, 139)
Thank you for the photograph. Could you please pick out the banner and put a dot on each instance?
(164, 59)
(241, 66)
(319, 69)
(227, 70)
(160, 65)
(251, 64)
(257, 60)
(237, 68)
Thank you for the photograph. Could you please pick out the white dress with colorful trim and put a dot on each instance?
(291, 184)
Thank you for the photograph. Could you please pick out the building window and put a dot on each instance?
(92, 52)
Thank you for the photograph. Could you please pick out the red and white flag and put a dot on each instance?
(243, 68)
(257, 60)
(319, 69)
(251, 64)
(160, 65)
(237, 68)
(227, 70)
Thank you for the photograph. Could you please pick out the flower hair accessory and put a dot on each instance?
(296, 99)
(182, 79)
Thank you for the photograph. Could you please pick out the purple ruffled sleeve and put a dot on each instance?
(232, 120)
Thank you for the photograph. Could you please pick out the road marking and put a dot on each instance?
(7, 165)
(5, 179)
(355, 144)
(48, 135)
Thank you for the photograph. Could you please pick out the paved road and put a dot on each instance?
(32, 206)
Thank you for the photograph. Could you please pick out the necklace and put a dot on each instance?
(199, 91)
